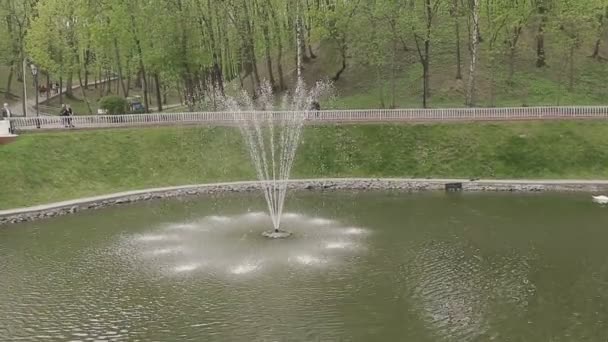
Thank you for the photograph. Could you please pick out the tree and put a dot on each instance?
(600, 9)
(17, 15)
(542, 8)
(422, 21)
(517, 14)
(473, 49)
(372, 38)
(573, 23)
(456, 14)
(334, 20)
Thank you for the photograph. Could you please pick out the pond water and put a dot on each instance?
(373, 266)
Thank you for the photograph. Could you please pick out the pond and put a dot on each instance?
(361, 266)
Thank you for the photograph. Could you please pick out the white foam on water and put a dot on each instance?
(156, 237)
(321, 221)
(338, 245)
(291, 215)
(186, 267)
(166, 251)
(244, 268)
(256, 214)
(220, 219)
(306, 259)
(355, 231)
(183, 226)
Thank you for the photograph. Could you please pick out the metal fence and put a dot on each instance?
(314, 117)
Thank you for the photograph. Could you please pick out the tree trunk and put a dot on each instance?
(142, 68)
(60, 90)
(9, 82)
(216, 74)
(470, 101)
(458, 54)
(48, 86)
(250, 45)
(277, 28)
(109, 84)
(86, 72)
(84, 94)
(267, 47)
(119, 68)
(425, 75)
(393, 74)
(540, 38)
(69, 92)
(513, 51)
(602, 19)
(159, 98)
(380, 81)
(455, 15)
(273, 83)
(309, 30)
(302, 42)
(571, 68)
(179, 94)
(596, 49)
(540, 48)
(343, 67)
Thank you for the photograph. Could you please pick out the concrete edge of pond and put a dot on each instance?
(402, 184)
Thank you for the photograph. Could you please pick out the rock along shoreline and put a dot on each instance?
(19, 215)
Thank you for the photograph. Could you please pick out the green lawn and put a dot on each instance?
(46, 167)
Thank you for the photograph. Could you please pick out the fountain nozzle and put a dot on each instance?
(276, 233)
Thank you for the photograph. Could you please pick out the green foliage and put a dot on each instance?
(114, 104)
(188, 45)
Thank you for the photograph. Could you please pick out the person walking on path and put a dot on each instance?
(6, 114)
(64, 113)
(70, 114)
(316, 107)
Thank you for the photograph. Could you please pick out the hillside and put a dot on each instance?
(48, 167)
(364, 87)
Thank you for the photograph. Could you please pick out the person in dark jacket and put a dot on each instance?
(316, 107)
(64, 113)
(70, 114)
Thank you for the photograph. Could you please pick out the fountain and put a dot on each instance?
(272, 138)
(272, 134)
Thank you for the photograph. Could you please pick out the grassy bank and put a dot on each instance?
(41, 168)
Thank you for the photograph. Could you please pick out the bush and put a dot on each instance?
(114, 104)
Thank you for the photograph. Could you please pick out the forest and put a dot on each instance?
(202, 47)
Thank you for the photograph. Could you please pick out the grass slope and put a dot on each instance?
(47, 167)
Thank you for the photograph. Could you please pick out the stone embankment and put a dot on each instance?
(406, 185)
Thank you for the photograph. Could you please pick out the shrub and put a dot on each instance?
(114, 104)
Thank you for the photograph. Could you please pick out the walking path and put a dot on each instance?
(42, 99)
(319, 117)
(404, 184)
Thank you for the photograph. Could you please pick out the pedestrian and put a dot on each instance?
(316, 107)
(6, 114)
(70, 114)
(64, 113)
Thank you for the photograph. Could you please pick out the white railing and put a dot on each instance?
(312, 117)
